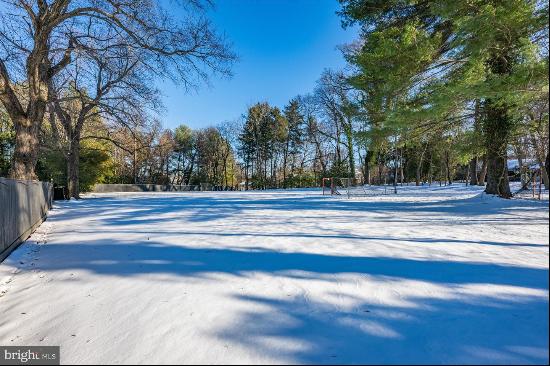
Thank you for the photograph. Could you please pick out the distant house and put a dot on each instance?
(515, 171)
(513, 165)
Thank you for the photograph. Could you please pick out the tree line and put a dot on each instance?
(471, 73)
(434, 91)
(69, 65)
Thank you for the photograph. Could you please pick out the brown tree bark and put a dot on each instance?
(473, 172)
(420, 165)
(27, 121)
(497, 126)
(25, 155)
(448, 175)
(349, 144)
(483, 172)
(543, 172)
(39, 71)
(539, 152)
(401, 167)
(367, 170)
(73, 167)
(474, 179)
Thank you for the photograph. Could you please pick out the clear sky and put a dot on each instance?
(283, 46)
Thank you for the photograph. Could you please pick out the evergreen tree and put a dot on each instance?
(425, 62)
(294, 136)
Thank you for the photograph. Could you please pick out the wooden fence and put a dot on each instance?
(23, 207)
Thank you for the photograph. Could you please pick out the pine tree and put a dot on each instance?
(423, 63)
(294, 136)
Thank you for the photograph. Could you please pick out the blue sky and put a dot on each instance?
(283, 46)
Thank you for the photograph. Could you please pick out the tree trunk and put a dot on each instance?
(73, 167)
(474, 179)
(539, 152)
(420, 166)
(366, 178)
(430, 170)
(320, 156)
(167, 171)
(25, 155)
(547, 164)
(272, 172)
(351, 155)
(395, 173)
(521, 164)
(418, 174)
(497, 127)
(380, 168)
(543, 172)
(265, 174)
(473, 172)
(401, 167)
(246, 175)
(225, 171)
(28, 120)
(483, 172)
(134, 162)
(285, 157)
(544, 175)
(177, 175)
(351, 161)
(449, 177)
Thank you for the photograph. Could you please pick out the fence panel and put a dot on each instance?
(23, 207)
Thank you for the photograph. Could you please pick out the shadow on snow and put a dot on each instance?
(464, 328)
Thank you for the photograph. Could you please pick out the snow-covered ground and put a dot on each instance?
(432, 275)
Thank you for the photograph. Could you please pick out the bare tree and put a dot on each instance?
(38, 40)
(335, 99)
(310, 110)
(110, 84)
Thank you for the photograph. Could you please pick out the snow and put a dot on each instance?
(430, 275)
(520, 193)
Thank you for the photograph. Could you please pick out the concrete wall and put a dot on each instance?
(109, 188)
(23, 207)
